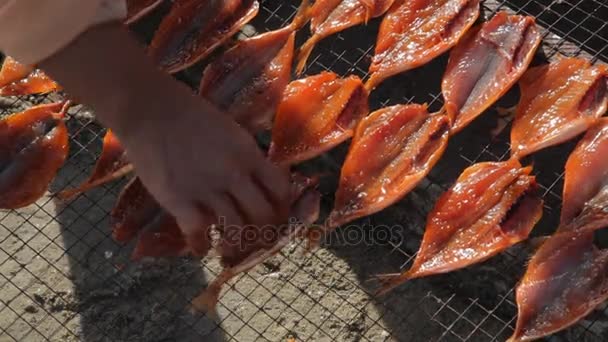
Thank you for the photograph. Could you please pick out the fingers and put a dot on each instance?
(253, 203)
(274, 184)
(227, 210)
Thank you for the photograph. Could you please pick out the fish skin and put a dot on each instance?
(316, 114)
(395, 147)
(329, 17)
(558, 103)
(486, 63)
(470, 224)
(111, 165)
(193, 29)
(33, 147)
(413, 33)
(17, 79)
(565, 280)
(585, 194)
(137, 9)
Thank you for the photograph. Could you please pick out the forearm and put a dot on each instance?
(106, 69)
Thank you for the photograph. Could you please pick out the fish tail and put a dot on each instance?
(305, 52)
(302, 16)
(206, 301)
(65, 106)
(390, 281)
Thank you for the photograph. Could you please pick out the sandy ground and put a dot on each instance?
(64, 279)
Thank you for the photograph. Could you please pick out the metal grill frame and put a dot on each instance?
(451, 313)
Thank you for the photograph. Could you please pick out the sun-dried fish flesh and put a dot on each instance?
(491, 207)
(111, 165)
(392, 151)
(33, 146)
(248, 80)
(17, 79)
(137, 9)
(415, 32)
(486, 63)
(585, 197)
(329, 17)
(195, 28)
(138, 215)
(566, 279)
(559, 101)
(316, 114)
(242, 248)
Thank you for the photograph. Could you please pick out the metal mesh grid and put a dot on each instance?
(64, 278)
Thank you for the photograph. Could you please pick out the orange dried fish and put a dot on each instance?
(392, 151)
(137, 214)
(242, 248)
(17, 79)
(559, 101)
(248, 80)
(329, 17)
(486, 64)
(112, 165)
(33, 146)
(566, 279)
(195, 28)
(137, 9)
(415, 32)
(316, 114)
(491, 207)
(585, 197)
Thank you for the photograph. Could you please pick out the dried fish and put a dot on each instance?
(17, 79)
(33, 146)
(392, 151)
(316, 114)
(111, 165)
(566, 279)
(486, 64)
(195, 28)
(138, 214)
(415, 32)
(585, 197)
(248, 80)
(329, 17)
(559, 101)
(491, 207)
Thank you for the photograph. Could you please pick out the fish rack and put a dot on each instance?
(63, 278)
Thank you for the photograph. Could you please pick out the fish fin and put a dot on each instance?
(390, 281)
(305, 52)
(302, 16)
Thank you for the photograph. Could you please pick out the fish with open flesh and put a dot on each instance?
(316, 114)
(491, 207)
(413, 33)
(242, 248)
(111, 165)
(195, 28)
(17, 79)
(33, 146)
(585, 196)
(393, 149)
(248, 80)
(329, 17)
(566, 279)
(137, 9)
(138, 215)
(486, 63)
(558, 102)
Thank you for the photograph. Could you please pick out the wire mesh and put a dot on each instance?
(63, 277)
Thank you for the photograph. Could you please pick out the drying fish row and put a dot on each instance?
(392, 149)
